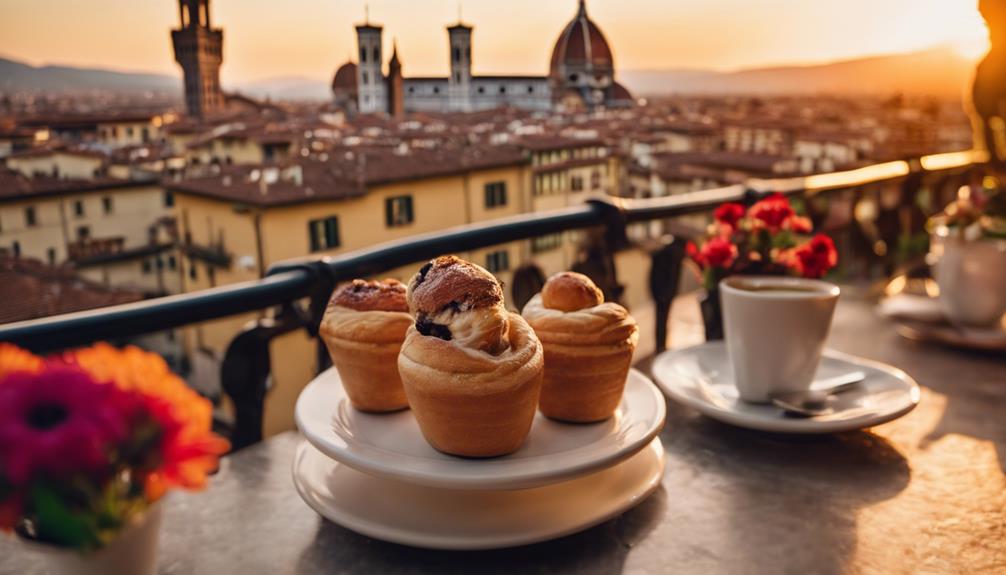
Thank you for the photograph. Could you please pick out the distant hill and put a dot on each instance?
(16, 75)
(939, 71)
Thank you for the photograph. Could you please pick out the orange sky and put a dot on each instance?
(270, 38)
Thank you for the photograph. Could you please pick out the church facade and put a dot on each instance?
(581, 76)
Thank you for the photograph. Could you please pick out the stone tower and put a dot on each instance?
(459, 83)
(370, 81)
(199, 51)
(396, 85)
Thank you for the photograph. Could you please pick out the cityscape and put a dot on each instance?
(577, 287)
(110, 196)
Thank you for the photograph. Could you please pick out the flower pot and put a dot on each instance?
(712, 314)
(133, 552)
(972, 277)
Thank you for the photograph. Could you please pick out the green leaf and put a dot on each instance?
(56, 523)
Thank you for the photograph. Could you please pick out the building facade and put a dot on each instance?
(581, 75)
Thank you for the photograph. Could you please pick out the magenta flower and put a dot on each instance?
(59, 422)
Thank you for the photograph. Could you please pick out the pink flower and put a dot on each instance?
(798, 225)
(772, 212)
(59, 422)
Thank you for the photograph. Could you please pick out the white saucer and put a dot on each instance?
(701, 377)
(392, 446)
(921, 318)
(436, 518)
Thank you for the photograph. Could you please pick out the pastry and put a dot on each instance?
(471, 370)
(588, 348)
(364, 327)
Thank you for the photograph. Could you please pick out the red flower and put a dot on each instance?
(729, 214)
(717, 253)
(772, 211)
(798, 225)
(59, 423)
(816, 257)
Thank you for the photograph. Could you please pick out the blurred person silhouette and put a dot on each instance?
(989, 91)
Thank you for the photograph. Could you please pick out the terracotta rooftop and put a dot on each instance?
(16, 186)
(32, 290)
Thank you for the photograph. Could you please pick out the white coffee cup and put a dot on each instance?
(972, 277)
(775, 331)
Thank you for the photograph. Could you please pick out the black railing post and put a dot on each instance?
(665, 276)
(246, 369)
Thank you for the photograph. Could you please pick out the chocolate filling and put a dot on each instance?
(427, 327)
(421, 276)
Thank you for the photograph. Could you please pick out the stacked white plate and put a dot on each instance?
(376, 475)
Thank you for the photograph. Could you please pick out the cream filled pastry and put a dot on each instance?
(363, 328)
(471, 370)
(588, 345)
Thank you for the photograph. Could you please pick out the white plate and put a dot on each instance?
(391, 445)
(437, 518)
(702, 377)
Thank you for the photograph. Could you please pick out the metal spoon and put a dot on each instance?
(814, 402)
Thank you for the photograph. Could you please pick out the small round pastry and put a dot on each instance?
(472, 371)
(588, 348)
(363, 328)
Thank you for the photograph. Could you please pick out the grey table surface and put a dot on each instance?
(923, 494)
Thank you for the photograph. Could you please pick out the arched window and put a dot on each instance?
(377, 54)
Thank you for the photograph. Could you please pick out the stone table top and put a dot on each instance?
(923, 494)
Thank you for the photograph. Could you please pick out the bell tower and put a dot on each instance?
(459, 84)
(199, 51)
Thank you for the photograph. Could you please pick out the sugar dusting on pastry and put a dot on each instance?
(458, 301)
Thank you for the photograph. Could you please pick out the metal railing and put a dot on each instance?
(288, 283)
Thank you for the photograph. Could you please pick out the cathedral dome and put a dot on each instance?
(345, 79)
(581, 47)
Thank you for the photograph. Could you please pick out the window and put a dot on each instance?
(498, 261)
(363, 55)
(160, 263)
(30, 218)
(482, 89)
(398, 211)
(502, 89)
(51, 254)
(576, 184)
(546, 243)
(530, 89)
(495, 194)
(377, 54)
(83, 233)
(324, 233)
(106, 204)
(172, 262)
(457, 54)
(436, 89)
(366, 78)
(169, 198)
(146, 266)
(17, 248)
(78, 208)
(193, 274)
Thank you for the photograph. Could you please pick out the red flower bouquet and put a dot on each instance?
(769, 238)
(89, 440)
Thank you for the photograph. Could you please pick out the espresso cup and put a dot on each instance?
(972, 278)
(775, 331)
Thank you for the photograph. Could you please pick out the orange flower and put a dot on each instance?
(13, 359)
(190, 449)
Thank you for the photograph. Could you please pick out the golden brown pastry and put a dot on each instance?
(471, 370)
(588, 348)
(364, 327)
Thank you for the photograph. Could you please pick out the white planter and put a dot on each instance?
(972, 278)
(134, 552)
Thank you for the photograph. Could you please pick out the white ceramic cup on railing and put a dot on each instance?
(775, 331)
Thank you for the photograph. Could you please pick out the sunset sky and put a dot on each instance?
(273, 38)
